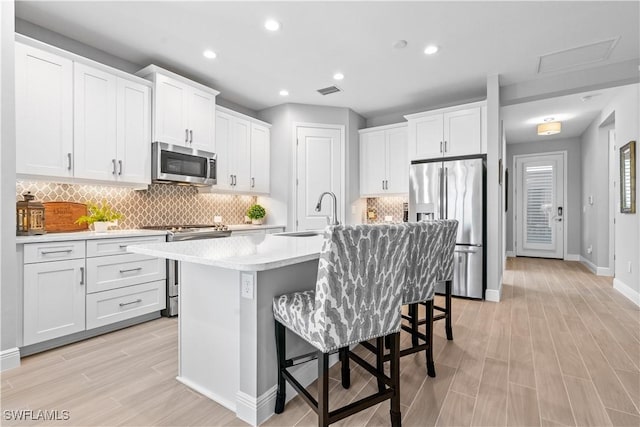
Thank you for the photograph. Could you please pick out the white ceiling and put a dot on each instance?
(520, 121)
(317, 39)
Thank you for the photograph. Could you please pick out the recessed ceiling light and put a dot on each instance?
(209, 54)
(431, 49)
(284, 92)
(272, 25)
(338, 76)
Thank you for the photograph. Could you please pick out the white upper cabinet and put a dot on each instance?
(184, 111)
(384, 161)
(44, 113)
(454, 131)
(243, 152)
(260, 158)
(80, 120)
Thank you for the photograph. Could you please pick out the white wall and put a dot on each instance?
(573, 210)
(595, 177)
(282, 118)
(8, 274)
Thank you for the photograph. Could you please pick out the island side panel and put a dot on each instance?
(258, 373)
(209, 323)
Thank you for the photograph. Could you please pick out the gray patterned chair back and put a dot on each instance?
(359, 286)
(423, 261)
(450, 232)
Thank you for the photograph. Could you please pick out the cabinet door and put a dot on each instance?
(241, 149)
(171, 124)
(372, 163)
(134, 132)
(426, 137)
(260, 158)
(54, 300)
(462, 132)
(202, 106)
(44, 113)
(398, 161)
(224, 133)
(94, 123)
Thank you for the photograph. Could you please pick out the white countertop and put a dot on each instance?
(242, 253)
(243, 227)
(87, 235)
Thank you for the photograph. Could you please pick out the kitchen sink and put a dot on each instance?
(306, 233)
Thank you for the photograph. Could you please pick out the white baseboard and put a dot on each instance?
(627, 291)
(205, 392)
(511, 254)
(604, 271)
(572, 257)
(9, 359)
(492, 295)
(587, 263)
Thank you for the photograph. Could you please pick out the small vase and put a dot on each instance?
(257, 221)
(101, 226)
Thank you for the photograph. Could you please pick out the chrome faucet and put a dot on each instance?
(333, 220)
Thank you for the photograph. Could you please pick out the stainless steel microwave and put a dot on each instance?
(182, 165)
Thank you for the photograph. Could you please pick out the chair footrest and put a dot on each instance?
(359, 405)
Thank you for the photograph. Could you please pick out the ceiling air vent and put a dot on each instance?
(329, 90)
(577, 56)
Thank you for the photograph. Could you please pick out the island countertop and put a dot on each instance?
(243, 253)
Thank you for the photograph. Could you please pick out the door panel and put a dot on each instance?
(398, 167)
(134, 136)
(428, 137)
(260, 158)
(463, 198)
(319, 163)
(201, 120)
(171, 111)
(467, 273)
(372, 152)
(224, 131)
(462, 132)
(425, 180)
(540, 211)
(241, 154)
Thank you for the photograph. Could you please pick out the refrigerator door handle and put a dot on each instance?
(446, 193)
(441, 189)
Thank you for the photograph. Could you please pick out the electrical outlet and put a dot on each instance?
(591, 200)
(246, 285)
(590, 249)
(217, 219)
(388, 218)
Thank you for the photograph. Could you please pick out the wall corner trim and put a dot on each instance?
(9, 359)
(627, 291)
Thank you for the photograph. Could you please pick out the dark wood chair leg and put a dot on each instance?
(431, 369)
(323, 389)
(448, 327)
(396, 416)
(346, 371)
(413, 313)
(380, 360)
(281, 394)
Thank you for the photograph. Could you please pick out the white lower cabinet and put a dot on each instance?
(104, 308)
(54, 297)
(117, 271)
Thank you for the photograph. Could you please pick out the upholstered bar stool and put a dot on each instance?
(358, 297)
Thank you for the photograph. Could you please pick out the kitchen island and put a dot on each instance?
(226, 327)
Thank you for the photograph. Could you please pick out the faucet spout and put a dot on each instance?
(333, 220)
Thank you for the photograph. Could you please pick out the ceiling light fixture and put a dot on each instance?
(209, 54)
(284, 93)
(272, 25)
(431, 49)
(549, 128)
(338, 76)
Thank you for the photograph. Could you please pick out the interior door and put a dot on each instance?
(540, 214)
(319, 169)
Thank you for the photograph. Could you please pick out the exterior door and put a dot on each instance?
(540, 213)
(319, 169)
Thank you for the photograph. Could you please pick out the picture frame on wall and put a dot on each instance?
(628, 178)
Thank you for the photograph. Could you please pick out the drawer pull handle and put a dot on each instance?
(128, 270)
(61, 251)
(123, 246)
(122, 304)
(82, 275)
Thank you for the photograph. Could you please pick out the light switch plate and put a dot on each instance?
(246, 285)
(217, 219)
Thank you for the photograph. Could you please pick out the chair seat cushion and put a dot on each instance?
(296, 312)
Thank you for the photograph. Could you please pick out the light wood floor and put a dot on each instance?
(562, 348)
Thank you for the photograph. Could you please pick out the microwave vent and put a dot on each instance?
(329, 90)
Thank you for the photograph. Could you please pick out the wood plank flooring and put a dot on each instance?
(562, 348)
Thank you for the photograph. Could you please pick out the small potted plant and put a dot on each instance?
(101, 216)
(256, 213)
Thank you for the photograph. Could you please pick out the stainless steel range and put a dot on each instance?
(176, 233)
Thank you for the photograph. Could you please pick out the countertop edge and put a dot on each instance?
(87, 235)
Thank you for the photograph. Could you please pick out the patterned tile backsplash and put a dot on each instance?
(159, 205)
(386, 206)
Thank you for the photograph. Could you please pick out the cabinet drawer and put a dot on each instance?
(100, 247)
(53, 251)
(111, 272)
(112, 306)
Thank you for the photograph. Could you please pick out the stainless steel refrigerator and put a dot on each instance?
(454, 188)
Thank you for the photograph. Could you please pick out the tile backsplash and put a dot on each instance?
(159, 205)
(386, 206)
